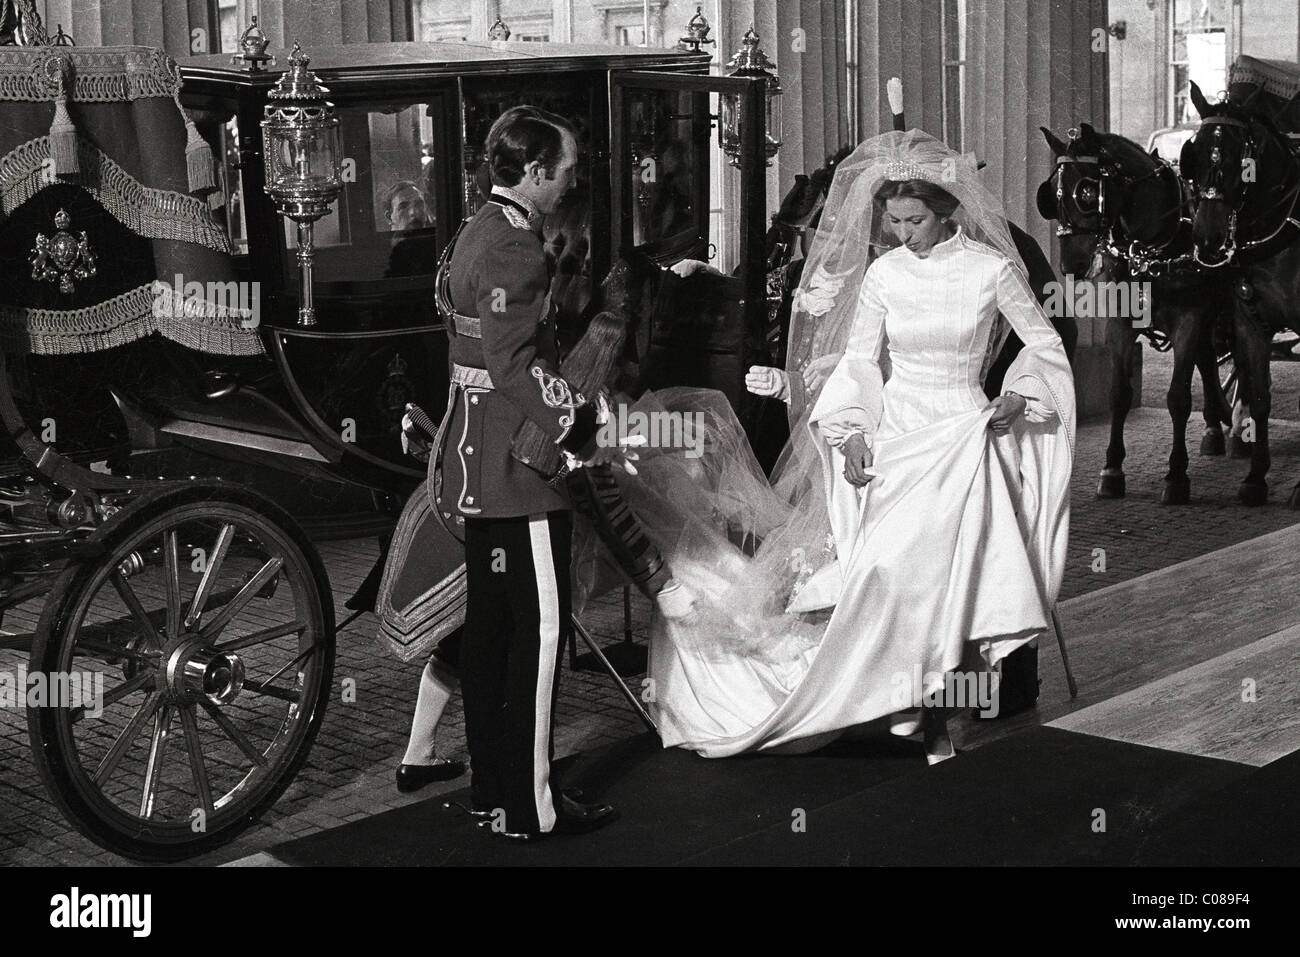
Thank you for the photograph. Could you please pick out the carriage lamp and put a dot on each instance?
(697, 33)
(749, 61)
(303, 149)
(499, 30)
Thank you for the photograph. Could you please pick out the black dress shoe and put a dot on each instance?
(574, 817)
(571, 817)
(412, 777)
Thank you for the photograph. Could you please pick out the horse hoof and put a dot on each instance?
(1240, 449)
(1212, 443)
(1252, 495)
(1177, 492)
(1111, 486)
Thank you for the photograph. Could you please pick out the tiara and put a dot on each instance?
(898, 170)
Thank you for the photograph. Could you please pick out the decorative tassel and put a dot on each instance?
(63, 139)
(216, 200)
(198, 159)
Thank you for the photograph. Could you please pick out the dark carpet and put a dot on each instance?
(1041, 797)
(1251, 821)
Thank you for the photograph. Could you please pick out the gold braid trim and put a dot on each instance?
(148, 212)
(153, 307)
(100, 75)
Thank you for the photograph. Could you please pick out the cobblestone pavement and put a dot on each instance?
(350, 771)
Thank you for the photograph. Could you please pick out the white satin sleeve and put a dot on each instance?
(1017, 303)
(851, 401)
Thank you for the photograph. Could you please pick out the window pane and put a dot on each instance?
(663, 167)
(228, 179)
(385, 222)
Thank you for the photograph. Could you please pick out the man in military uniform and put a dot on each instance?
(517, 521)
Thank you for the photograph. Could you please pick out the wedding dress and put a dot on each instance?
(958, 546)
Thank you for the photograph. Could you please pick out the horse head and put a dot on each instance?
(1231, 151)
(1075, 195)
(1108, 194)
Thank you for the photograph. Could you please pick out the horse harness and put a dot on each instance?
(1213, 190)
(1104, 195)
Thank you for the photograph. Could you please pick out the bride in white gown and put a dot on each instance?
(912, 528)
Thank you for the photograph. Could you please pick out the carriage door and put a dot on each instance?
(705, 330)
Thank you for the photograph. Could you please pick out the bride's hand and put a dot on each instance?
(1009, 408)
(857, 460)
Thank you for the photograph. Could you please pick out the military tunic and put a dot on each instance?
(505, 369)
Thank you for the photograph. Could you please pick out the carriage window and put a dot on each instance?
(231, 185)
(389, 219)
(664, 166)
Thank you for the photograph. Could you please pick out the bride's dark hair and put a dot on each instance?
(941, 202)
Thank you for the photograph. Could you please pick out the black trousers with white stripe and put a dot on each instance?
(517, 610)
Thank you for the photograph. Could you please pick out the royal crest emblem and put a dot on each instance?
(62, 257)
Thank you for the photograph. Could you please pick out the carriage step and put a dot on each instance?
(222, 435)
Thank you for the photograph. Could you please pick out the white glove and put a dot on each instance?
(676, 601)
(768, 381)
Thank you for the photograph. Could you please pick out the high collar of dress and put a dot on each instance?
(509, 197)
(948, 246)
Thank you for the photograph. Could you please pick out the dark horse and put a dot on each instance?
(1247, 228)
(1125, 219)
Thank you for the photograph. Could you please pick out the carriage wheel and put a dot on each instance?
(203, 636)
(1228, 378)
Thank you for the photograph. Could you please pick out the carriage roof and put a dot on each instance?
(352, 65)
(1275, 78)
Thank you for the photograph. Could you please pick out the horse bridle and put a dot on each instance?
(1093, 196)
(1089, 194)
(1212, 190)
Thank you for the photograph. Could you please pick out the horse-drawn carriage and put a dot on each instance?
(182, 661)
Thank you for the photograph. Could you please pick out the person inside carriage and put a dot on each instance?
(406, 212)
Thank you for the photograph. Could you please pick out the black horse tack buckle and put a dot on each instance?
(62, 257)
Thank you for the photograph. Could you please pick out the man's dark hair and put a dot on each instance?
(522, 135)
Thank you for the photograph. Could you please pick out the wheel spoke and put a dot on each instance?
(111, 652)
(126, 738)
(213, 627)
(302, 656)
(272, 691)
(130, 686)
(266, 634)
(157, 750)
(233, 733)
(219, 549)
(172, 570)
(142, 619)
(197, 769)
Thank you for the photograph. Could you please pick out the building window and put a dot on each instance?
(629, 36)
(439, 21)
(954, 71)
(1200, 49)
(229, 25)
(623, 22)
